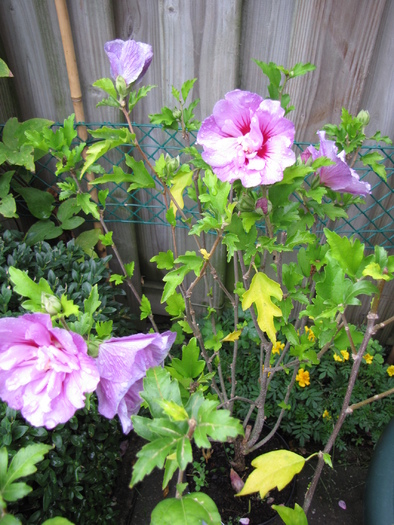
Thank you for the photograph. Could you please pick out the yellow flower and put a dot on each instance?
(278, 346)
(390, 370)
(345, 354)
(326, 414)
(337, 358)
(303, 378)
(269, 373)
(368, 358)
(311, 335)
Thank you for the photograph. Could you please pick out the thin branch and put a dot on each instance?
(376, 397)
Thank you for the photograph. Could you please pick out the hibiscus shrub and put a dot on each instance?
(313, 409)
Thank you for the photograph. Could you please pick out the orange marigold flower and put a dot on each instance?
(345, 355)
(278, 347)
(368, 358)
(390, 370)
(303, 378)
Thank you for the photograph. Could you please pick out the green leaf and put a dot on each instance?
(23, 464)
(136, 96)
(68, 307)
(175, 306)
(42, 230)
(15, 491)
(104, 329)
(189, 365)
(112, 138)
(106, 240)
(164, 260)
(180, 181)
(290, 516)
(84, 200)
(273, 470)
(193, 509)
(26, 287)
(88, 240)
(151, 456)
(327, 460)
(140, 176)
(262, 288)
(8, 207)
(5, 180)
(4, 70)
(145, 307)
(129, 267)
(117, 279)
(172, 280)
(374, 160)
(107, 85)
(216, 423)
(348, 252)
(92, 303)
(186, 87)
(173, 410)
(68, 209)
(158, 386)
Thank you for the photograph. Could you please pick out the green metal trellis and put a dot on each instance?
(373, 222)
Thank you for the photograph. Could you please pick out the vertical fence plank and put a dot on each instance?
(266, 31)
(339, 38)
(33, 50)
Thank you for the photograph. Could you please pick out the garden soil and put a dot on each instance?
(338, 499)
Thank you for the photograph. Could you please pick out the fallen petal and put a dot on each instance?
(342, 504)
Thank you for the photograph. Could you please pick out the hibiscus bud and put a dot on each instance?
(363, 117)
(305, 156)
(236, 481)
(177, 113)
(50, 303)
(263, 206)
(121, 87)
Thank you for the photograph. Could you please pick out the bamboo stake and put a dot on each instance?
(76, 93)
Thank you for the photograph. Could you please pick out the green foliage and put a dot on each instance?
(192, 509)
(174, 424)
(77, 476)
(181, 116)
(68, 270)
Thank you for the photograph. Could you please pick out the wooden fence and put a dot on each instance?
(350, 41)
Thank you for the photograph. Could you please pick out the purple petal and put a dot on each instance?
(247, 138)
(342, 504)
(44, 371)
(129, 59)
(122, 364)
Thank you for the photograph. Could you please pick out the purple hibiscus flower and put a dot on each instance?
(44, 371)
(122, 364)
(129, 59)
(247, 138)
(339, 177)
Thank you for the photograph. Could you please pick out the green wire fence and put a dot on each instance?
(372, 222)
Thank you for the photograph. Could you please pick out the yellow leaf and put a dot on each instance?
(273, 470)
(234, 336)
(262, 288)
(180, 181)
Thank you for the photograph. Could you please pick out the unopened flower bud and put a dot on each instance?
(363, 117)
(177, 113)
(236, 481)
(305, 156)
(263, 206)
(121, 87)
(172, 164)
(246, 202)
(50, 303)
